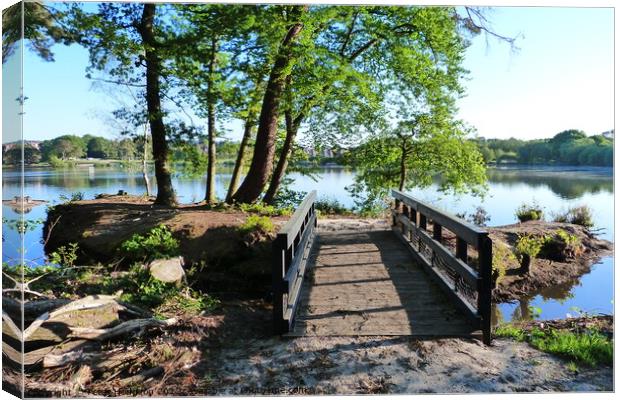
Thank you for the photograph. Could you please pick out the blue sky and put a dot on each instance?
(560, 78)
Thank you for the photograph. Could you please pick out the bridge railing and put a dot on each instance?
(464, 276)
(291, 250)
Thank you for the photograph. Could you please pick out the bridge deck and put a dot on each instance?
(365, 282)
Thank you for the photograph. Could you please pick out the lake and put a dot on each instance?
(554, 188)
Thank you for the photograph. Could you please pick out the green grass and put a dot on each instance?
(257, 223)
(265, 210)
(157, 243)
(589, 348)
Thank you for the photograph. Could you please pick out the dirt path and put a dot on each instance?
(349, 365)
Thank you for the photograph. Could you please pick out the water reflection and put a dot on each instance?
(568, 184)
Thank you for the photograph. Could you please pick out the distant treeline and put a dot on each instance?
(73, 147)
(571, 147)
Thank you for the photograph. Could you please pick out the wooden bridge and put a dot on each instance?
(426, 275)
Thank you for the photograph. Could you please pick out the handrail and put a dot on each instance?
(460, 227)
(291, 250)
(450, 270)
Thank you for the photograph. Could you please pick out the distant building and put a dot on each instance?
(609, 134)
(35, 144)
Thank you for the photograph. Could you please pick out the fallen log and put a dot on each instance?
(120, 329)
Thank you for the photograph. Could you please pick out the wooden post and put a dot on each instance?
(280, 326)
(461, 249)
(485, 254)
(404, 227)
(413, 217)
(437, 231)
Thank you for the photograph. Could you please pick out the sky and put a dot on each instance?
(560, 77)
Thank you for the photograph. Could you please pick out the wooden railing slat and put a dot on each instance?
(459, 227)
(291, 228)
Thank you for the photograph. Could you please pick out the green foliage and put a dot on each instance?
(567, 238)
(561, 246)
(510, 331)
(331, 207)
(64, 256)
(265, 209)
(581, 215)
(73, 197)
(157, 243)
(529, 245)
(63, 147)
(589, 348)
(257, 223)
(288, 198)
(571, 147)
(502, 258)
(13, 156)
(529, 212)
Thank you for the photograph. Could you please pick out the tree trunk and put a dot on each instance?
(262, 160)
(145, 171)
(210, 193)
(165, 192)
(278, 173)
(403, 166)
(234, 180)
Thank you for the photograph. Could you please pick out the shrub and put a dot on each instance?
(581, 215)
(561, 246)
(257, 223)
(502, 256)
(73, 197)
(480, 217)
(65, 256)
(157, 243)
(331, 206)
(529, 212)
(528, 247)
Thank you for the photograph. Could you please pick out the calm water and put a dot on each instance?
(553, 188)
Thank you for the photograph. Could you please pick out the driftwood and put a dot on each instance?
(125, 327)
(35, 357)
(142, 376)
(31, 309)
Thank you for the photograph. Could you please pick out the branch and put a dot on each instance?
(348, 36)
(480, 26)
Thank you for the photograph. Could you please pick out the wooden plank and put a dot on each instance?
(374, 288)
(289, 313)
(297, 267)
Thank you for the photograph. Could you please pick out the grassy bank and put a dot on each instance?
(584, 341)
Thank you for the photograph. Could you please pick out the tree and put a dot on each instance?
(262, 159)
(63, 147)
(40, 29)
(13, 156)
(357, 55)
(121, 38)
(98, 147)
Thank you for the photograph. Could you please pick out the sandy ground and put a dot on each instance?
(350, 365)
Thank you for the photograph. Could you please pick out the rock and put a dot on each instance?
(168, 270)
